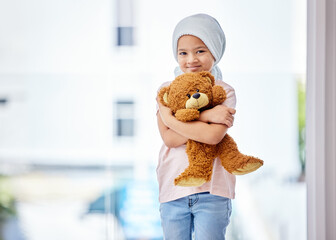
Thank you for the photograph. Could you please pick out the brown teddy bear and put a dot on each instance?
(187, 96)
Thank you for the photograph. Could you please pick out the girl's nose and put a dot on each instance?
(192, 58)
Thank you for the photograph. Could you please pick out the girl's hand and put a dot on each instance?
(220, 114)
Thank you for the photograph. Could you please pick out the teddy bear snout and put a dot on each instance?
(196, 95)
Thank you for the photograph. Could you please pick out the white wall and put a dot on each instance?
(67, 36)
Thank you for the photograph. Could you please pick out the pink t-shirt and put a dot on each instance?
(173, 161)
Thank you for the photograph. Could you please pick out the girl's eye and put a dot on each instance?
(200, 51)
(182, 53)
(188, 95)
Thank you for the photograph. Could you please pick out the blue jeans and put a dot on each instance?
(203, 214)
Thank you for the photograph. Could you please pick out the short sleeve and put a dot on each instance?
(165, 84)
(230, 100)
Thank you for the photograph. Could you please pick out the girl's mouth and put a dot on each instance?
(194, 68)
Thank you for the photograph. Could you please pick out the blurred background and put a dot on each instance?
(78, 136)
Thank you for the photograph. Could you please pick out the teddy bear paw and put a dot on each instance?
(248, 167)
(189, 181)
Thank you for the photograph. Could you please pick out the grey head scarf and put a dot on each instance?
(209, 31)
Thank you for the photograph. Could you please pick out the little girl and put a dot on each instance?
(198, 45)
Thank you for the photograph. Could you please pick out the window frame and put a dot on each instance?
(119, 118)
(321, 119)
(125, 23)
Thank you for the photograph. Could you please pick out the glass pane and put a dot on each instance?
(125, 127)
(63, 173)
(125, 36)
(125, 109)
(59, 203)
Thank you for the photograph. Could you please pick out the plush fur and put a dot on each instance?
(187, 96)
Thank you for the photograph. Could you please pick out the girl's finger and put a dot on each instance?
(230, 118)
(228, 124)
(232, 110)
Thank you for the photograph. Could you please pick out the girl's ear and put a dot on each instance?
(208, 76)
(163, 96)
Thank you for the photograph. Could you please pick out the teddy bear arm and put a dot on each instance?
(187, 115)
(218, 94)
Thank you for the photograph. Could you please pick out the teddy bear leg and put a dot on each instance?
(199, 170)
(234, 161)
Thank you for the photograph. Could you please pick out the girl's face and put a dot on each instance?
(193, 55)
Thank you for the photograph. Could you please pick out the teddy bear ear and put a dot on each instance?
(163, 95)
(208, 76)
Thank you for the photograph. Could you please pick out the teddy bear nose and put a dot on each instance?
(196, 95)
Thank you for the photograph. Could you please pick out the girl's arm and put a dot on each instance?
(170, 138)
(209, 133)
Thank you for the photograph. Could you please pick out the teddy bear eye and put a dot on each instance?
(197, 90)
(188, 95)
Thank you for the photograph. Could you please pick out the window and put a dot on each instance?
(125, 29)
(124, 119)
(3, 101)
